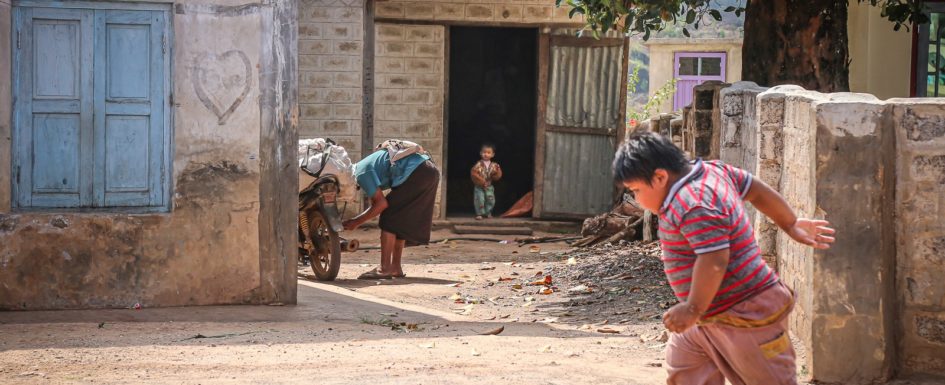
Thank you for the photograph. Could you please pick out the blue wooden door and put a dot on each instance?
(90, 108)
(52, 160)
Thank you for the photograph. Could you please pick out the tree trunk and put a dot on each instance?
(802, 42)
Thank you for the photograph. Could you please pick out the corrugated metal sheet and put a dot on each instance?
(575, 31)
(577, 173)
(584, 87)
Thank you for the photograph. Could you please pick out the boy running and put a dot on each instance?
(731, 320)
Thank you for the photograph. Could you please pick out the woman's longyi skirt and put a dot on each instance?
(409, 213)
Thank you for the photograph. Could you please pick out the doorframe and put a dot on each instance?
(444, 171)
(541, 127)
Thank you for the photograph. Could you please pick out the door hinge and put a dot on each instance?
(164, 44)
(17, 39)
(17, 175)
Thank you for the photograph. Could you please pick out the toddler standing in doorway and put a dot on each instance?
(484, 173)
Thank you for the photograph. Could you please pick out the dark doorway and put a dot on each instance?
(492, 98)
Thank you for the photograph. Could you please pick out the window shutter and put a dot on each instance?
(129, 89)
(53, 113)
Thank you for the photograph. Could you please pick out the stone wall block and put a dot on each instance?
(384, 9)
(315, 79)
(419, 65)
(390, 64)
(346, 111)
(431, 50)
(394, 49)
(389, 96)
(310, 31)
(509, 12)
(315, 47)
(480, 12)
(420, 34)
(348, 47)
(536, 13)
(389, 32)
(315, 14)
(315, 111)
(336, 96)
(449, 11)
(419, 11)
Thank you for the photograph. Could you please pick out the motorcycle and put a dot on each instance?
(320, 225)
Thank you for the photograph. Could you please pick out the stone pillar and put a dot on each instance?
(705, 124)
(738, 112)
(920, 205)
(769, 117)
(739, 140)
(837, 164)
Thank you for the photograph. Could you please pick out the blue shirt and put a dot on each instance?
(375, 172)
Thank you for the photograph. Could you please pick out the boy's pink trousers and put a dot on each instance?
(747, 344)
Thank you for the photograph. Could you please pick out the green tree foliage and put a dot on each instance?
(645, 17)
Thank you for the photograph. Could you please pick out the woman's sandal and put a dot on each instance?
(402, 275)
(373, 274)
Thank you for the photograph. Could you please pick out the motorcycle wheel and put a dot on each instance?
(327, 259)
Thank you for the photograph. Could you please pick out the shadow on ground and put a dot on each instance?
(325, 313)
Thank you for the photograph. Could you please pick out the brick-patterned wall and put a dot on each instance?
(330, 71)
(920, 194)
(495, 11)
(410, 86)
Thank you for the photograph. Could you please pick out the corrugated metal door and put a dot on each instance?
(581, 118)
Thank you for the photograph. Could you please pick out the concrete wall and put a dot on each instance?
(478, 11)
(738, 137)
(662, 60)
(834, 167)
(410, 86)
(873, 304)
(920, 201)
(229, 237)
(331, 50)
(880, 58)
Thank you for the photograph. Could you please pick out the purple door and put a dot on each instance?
(693, 68)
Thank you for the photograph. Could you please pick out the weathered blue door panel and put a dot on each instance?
(52, 107)
(129, 89)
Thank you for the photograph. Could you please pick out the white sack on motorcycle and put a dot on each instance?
(320, 157)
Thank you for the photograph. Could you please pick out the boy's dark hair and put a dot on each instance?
(487, 145)
(643, 153)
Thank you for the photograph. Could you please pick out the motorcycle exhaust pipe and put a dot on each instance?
(350, 246)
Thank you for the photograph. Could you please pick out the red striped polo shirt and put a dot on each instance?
(704, 212)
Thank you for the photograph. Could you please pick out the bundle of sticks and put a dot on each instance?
(626, 221)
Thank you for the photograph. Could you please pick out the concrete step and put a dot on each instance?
(562, 227)
(493, 230)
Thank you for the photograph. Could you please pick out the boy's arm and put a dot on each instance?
(810, 232)
(496, 173)
(707, 276)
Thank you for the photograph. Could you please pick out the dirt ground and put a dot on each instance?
(598, 323)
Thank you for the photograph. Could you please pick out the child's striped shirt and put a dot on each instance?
(704, 212)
